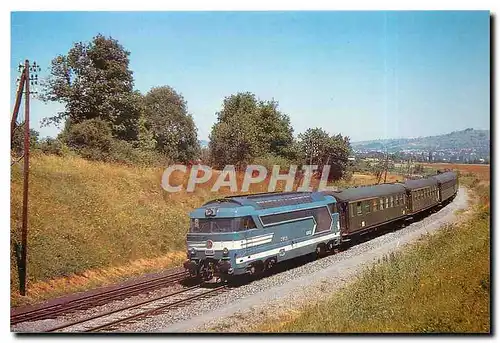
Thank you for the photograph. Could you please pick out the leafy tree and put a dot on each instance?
(91, 138)
(173, 128)
(93, 80)
(275, 131)
(146, 139)
(17, 139)
(234, 138)
(248, 128)
(319, 148)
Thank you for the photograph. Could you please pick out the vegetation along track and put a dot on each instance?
(97, 299)
(112, 319)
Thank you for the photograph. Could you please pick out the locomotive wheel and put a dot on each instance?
(256, 268)
(320, 250)
(269, 264)
(331, 246)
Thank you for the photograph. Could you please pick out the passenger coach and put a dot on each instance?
(366, 207)
(249, 234)
(448, 185)
(422, 194)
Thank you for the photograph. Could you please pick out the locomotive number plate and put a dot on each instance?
(209, 252)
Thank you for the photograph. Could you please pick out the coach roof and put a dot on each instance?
(366, 192)
(416, 184)
(445, 177)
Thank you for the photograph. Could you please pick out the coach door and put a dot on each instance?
(343, 215)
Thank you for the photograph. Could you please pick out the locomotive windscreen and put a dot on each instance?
(217, 225)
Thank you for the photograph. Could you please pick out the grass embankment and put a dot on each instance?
(93, 223)
(85, 216)
(441, 284)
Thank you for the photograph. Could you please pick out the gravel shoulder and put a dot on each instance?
(241, 308)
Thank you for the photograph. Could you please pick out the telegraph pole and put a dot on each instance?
(25, 82)
(386, 165)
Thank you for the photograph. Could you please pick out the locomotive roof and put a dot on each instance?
(445, 177)
(366, 192)
(268, 200)
(415, 184)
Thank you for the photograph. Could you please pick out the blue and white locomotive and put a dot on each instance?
(249, 234)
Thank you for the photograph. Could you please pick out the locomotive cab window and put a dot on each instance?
(219, 225)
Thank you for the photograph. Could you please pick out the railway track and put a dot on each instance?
(110, 321)
(100, 298)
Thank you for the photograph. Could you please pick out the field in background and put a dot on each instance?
(94, 223)
(441, 284)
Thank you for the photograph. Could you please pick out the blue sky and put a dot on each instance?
(367, 75)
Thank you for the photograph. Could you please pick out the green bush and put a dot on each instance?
(52, 146)
(91, 138)
(270, 160)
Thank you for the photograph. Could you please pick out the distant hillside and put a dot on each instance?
(471, 140)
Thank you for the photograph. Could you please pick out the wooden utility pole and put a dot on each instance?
(24, 240)
(25, 82)
(386, 165)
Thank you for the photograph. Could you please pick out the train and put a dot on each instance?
(250, 234)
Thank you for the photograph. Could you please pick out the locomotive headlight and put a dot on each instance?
(192, 251)
(225, 252)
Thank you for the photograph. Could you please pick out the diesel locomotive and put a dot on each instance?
(249, 234)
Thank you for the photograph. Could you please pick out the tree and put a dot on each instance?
(173, 128)
(17, 139)
(319, 148)
(91, 138)
(275, 131)
(93, 80)
(248, 128)
(234, 138)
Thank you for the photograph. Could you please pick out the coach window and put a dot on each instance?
(386, 202)
(391, 201)
(352, 209)
(397, 200)
(375, 205)
(381, 204)
(366, 206)
(359, 210)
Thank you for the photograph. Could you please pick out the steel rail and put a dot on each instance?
(154, 310)
(96, 299)
(131, 307)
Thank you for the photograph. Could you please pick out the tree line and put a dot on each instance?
(106, 119)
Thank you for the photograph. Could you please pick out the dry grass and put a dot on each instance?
(88, 216)
(481, 171)
(41, 290)
(441, 284)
